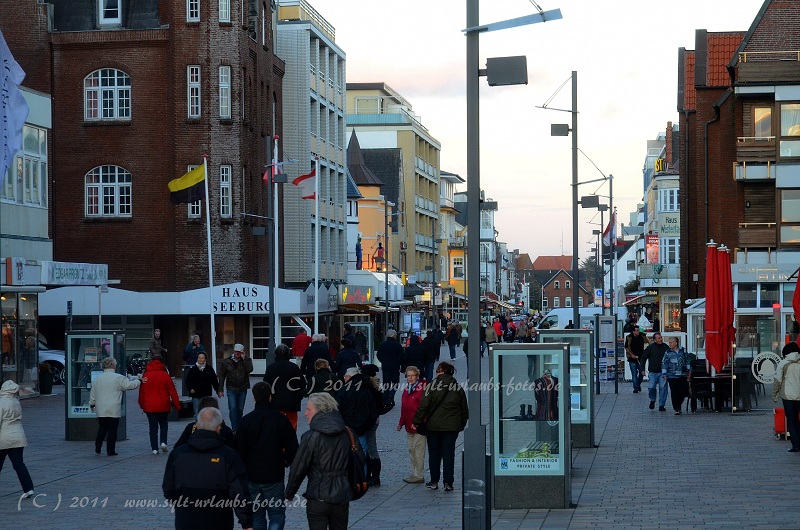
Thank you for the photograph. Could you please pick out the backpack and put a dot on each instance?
(355, 469)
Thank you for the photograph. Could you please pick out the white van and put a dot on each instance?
(559, 318)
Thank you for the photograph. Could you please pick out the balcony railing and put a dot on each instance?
(660, 275)
(754, 170)
(758, 235)
(750, 148)
(457, 242)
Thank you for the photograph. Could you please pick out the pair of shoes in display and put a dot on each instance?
(652, 405)
(448, 487)
(432, 485)
(414, 480)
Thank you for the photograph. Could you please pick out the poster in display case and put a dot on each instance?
(581, 368)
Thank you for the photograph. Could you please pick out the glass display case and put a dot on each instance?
(85, 351)
(581, 369)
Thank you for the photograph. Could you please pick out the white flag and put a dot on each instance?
(13, 108)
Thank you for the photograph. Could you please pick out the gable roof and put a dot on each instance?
(360, 173)
(551, 263)
(524, 262)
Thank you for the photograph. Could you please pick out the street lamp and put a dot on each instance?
(476, 513)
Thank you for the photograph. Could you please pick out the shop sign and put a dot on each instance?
(65, 273)
(357, 294)
(669, 224)
(242, 298)
(762, 273)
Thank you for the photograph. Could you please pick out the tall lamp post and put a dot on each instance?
(499, 71)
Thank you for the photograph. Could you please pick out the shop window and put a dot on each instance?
(747, 295)
(768, 295)
(790, 217)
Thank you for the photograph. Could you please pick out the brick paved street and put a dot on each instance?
(651, 470)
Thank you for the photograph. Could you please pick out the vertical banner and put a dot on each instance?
(651, 246)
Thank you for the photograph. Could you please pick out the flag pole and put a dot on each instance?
(275, 324)
(210, 264)
(316, 245)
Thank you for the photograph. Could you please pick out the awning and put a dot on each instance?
(641, 299)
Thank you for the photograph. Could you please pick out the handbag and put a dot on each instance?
(422, 428)
(355, 469)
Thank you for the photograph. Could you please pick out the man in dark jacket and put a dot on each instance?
(205, 469)
(389, 354)
(287, 384)
(431, 347)
(235, 370)
(346, 358)
(317, 350)
(414, 354)
(323, 457)
(653, 355)
(357, 404)
(267, 444)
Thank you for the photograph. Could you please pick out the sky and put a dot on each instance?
(625, 53)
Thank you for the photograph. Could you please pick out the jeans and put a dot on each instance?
(267, 503)
(158, 422)
(791, 409)
(372, 442)
(15, 455)
(236, 400)
(636, 375)
(484, 347)
(108, 426)
(442, 452)
(452, 350)
(657, 379)
(327, 516)
(363, 441)
(429, 371)
(196, 406)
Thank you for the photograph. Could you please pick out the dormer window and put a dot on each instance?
(110, 12)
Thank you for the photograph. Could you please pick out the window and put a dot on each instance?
(107, 95)
(669, 250)
(747, 294)
(458, 268)
(567, 301)
(668, 200)
(769, 294)
(790, 130)
(225, 92)
(108, 192)
(225, 196)
(484, 252)
(486, 219)
(580, 301)
(567, 284)
(790, 217)
(110, 12)
(556, 302)
(193, 78)
(193, 210)
(557, 284)
(192, 10)
(26, 178)
(762, 123)
(224, 10)
(544, 302)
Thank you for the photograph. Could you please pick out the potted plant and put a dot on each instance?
(45, 378)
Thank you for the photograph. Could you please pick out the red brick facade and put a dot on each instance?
(562, 292)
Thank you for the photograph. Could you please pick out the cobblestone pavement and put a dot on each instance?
(650, 470)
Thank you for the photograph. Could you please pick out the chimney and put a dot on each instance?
(668, 156)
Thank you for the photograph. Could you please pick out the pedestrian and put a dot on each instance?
(787, 386)
(414, 354)
(482, 337)
(652, 356)
(235, 371)
(300, 343)
(357, 405)
(201, 381)
(412, 395)
(155, 345)
(444, 407)
(498, 329)
(346, 358)
(323, 380)
(191, 351)
(317, 350)
(207, 480)
(323, 457)
(374, 463)
(430, 345)
(12, 435)
(349, 335)
(287, 385)
(105, 399)
(677, 369)
(491, 335)
(453, 339)
(156, 392)
(635, 343)
(225, 432)
(267, 443)
(390, 353)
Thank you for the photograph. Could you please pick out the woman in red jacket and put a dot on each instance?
(155, 394)
(412, 394)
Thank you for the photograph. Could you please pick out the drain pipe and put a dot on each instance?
(716, 106)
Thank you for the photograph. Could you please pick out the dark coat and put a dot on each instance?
(203, 469)
(346, 358)
(225, 433)
(317, 350)
(357, 404)
(288, 385)
(324, 381)
(414, 356)
(202, 381)
(452, 414)
(323, 457)
(430, 346)
(390, 353)
(267, 443)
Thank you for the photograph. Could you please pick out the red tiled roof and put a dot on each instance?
(552, 263)
(524, 262)
(689, 92)
(721, 49)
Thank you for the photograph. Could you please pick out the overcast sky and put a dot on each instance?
(626, 56)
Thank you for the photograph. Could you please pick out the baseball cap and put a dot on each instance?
(238, 347)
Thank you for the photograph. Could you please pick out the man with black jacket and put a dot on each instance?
(205, 478)
(390, 352)
(287, 384)
(267, 444)
(346, 358)
(357, 405)
(654, 353)
(317, 350)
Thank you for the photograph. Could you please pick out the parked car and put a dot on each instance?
(56, 360)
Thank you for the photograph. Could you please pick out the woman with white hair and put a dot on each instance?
(105, 398)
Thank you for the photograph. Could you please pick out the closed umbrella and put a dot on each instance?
(714, 352)
(727, 331)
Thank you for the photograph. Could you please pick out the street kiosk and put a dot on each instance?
(581, 380)
(85, 351)
(530, 419)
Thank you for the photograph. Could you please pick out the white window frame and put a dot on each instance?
(669, 250)
(567, 301)
(108, 192)
(556, 284)
(225, 192)
(556, 302)
(580, 301)
(668, 200)
(567, 284)
(458, 263)
(225, 92)
(224, 10)
(107, 95)
(108, 14)
(193, 101)
(26, 178)
(194, 209)
(192, 10)
(544, 302)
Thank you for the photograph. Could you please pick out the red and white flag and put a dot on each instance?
(307, 184)
(610, 233)
(274, 169)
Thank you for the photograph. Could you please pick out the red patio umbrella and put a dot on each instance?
(714, 352)
(727, 331)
